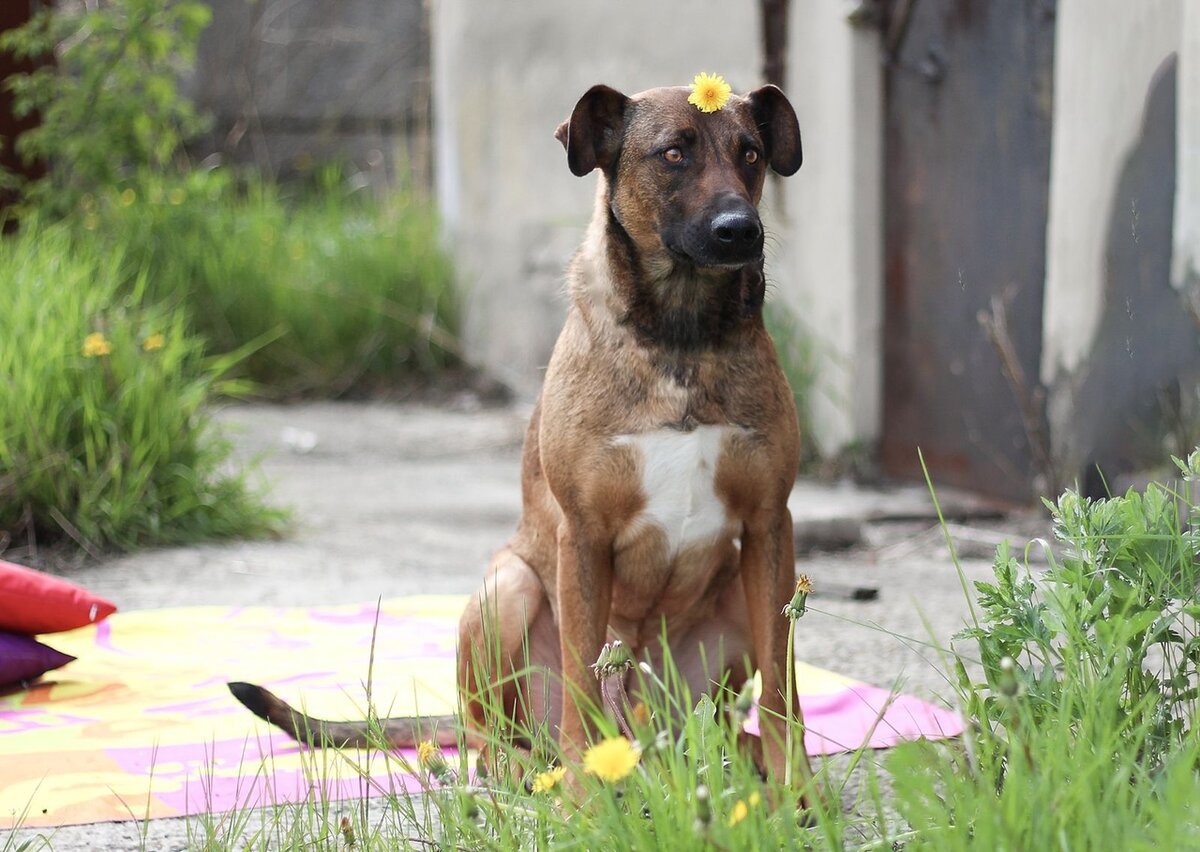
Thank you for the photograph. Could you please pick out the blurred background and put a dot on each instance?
(991, 253)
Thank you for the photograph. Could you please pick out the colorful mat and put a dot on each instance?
(142, 725)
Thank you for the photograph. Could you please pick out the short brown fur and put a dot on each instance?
(660, 338)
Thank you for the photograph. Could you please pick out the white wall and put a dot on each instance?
(505, 74)
(829, 269)
(1186, 256)
(1106, 52)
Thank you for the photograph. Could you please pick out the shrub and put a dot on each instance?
(104, 430)
(346, 293)
(109, 104)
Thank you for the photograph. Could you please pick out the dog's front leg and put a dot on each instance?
(584, 599)
(768, 575)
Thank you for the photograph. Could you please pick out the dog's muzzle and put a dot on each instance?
(729, 237)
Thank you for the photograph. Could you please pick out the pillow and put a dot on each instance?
(32, 602)
(23, 659)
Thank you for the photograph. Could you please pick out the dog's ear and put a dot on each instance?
(593, 133)
(778, 127)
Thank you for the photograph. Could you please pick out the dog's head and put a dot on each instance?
(685, 184)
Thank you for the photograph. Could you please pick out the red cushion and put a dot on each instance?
(22, 659)
(32, 602)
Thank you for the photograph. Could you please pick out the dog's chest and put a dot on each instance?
(677, 471)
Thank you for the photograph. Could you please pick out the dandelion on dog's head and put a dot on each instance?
(611, 759)
(710, 92)
(548, 780)
(95, 345)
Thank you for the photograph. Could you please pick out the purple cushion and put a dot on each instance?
(23, 658)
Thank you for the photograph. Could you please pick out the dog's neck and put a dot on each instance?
(664, 304)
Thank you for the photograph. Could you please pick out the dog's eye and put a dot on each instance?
(751, 157)
(673, 155)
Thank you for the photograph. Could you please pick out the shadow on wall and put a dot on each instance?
(1147, 347)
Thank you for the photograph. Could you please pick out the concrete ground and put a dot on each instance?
(410, 499)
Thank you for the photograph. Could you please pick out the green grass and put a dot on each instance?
(111, 447)
(347, 293)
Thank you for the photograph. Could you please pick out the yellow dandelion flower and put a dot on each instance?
(154, 342)
(710, 92)
(798, 605)
(96, 345)
(741, 809)
(548, 780)
(428, 754)
(176, 196)
(128, 197)
(611, 759)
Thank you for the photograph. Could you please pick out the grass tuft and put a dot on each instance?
(351, 294)
(105, 435)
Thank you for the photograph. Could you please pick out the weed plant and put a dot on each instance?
(104, 426)
(345, 293)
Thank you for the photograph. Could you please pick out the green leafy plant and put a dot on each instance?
(1120, 603)
(107, 96)
(104, 407)
(1084, 731)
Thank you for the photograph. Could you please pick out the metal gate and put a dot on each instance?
(967, 123)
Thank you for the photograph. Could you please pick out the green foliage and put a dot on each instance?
(1119, 608)
(104, 429)
(1085, 733)
(109, 104)
(349, 293)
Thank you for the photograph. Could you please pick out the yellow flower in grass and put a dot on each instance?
(96, 345)
(548, 780)
(611, 759)
(428, 755)
(741, 809)
(128, 196)
(710, 92)
(798, 605)
(153, 342)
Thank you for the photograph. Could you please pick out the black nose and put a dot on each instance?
(736, 229)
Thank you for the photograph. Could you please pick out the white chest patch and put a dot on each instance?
(678, 469)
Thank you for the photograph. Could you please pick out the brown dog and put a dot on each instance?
(660, 457)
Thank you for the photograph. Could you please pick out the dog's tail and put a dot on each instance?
(396, 732)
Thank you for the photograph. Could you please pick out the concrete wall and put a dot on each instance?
(505, 75)
(1185, 267)
(1115, 336)
(830, 226)
(292, 83)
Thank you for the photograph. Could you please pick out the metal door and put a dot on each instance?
(968, 118)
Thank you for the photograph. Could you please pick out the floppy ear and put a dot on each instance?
(778, 127)
(593, 133)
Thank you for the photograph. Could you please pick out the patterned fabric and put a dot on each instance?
(142, 725)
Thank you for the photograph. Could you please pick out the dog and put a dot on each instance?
(660, 455)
